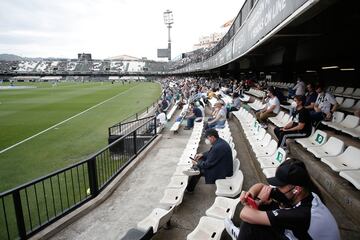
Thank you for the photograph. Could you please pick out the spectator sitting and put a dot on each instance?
(271, 110)
(299, 127)
(299, 88)
(195, 113)
(310, 98)
(217, 163)
(219, 116)
(325, 105)
(290, 210)
(165, 105)
(236, 104)
(161, 119)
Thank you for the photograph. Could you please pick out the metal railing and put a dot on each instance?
(27, 209)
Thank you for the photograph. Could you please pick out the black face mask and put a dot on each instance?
(280, 197)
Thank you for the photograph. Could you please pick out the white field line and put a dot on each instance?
(66, 120)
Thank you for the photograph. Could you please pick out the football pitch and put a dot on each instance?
(49, 127)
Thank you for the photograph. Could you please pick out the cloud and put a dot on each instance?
(106, 27)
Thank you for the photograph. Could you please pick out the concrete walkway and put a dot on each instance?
(135, 197)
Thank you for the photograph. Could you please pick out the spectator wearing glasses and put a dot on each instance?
(288, 209)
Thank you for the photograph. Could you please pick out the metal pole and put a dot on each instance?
(19, 215)
(169, 43)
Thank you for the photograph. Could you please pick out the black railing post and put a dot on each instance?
(19, 214)
(93, 181)
(136, 116)
(120, 128)
(134, 142)
(155, 126)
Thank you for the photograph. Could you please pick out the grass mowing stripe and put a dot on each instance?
(66, 120)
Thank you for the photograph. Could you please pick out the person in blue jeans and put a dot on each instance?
(195, 113)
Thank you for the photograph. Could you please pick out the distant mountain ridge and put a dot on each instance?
(13, 57)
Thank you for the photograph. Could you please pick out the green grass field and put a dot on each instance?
(26, 112)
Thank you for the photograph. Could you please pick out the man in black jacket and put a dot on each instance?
(217, 163)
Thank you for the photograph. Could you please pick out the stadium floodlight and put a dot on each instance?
(169, 20)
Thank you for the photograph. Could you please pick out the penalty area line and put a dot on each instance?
(64, 121)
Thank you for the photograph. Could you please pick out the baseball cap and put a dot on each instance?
(293, 172)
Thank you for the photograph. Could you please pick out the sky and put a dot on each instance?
(107, 28)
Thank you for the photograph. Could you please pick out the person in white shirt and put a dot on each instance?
(272, 107)
(325, 105)
(299, 88)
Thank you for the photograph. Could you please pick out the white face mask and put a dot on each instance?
(207, 141)
(293, 104)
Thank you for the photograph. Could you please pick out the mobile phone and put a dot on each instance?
(251, 202)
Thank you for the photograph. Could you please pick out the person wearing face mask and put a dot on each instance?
(217, 163)
(299, 127)
(325, 105)
(290, 208)
(271, 109)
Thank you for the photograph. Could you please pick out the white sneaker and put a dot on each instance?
(191, 172)
(231, 229)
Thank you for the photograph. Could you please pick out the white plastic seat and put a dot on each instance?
(178, 182)
(266, 151)
(339, 100)
(157, 218)
(274, 160)
(352, 176)
(236, 165)
(223, 208)
(317, 139)
(208, 228)
(332, 147)
(179, 170)
(339, 90)
(262, 143)
(258, 137)
(277, 118)
(234, 153)
(348, 160)
(336, 118)
(269, 172)
(230, 187)
(356, 93)
(355, 132)
(350, 121)
(172, 196)
(348, 103)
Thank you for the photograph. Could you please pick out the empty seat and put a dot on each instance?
(178, 182)
(339, 90)
(273, 161)
(332, 147)
(269, 172)
(262, 143)
(348, 92)
(172, 196)
(157, 218)
(348, 103)
(258, 137)
(208, 228)
(236, 165)
(348, 160)
(223, 208)
(336, 118)
(352, 176)
(350, 121)
(317, 139)
(356, 93)
(230, 187)
(267, 150)
(277, 118)
(339, 100)
(355, 132)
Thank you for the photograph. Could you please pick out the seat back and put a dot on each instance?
(350, 157)
(339, 90)
(280, 155)
(236, 165)
(333, 146)
(337, 117)
(348, 103)
(272, 147)
(330, 89)
(319, 137)
(348, 91)
(265, 141)
(356, 93)
(350, 121)
(166, 217)
(280, 115)
(357, 105)
(339, 100)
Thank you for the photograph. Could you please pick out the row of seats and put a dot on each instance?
(349, 124)
(264, 147)
(173, 194)
(257, 105)
(331, 152)
(256, 92)
(281, 84)
(348, 104)
(211, 226)
(175, 127)
(172, 110)
(345, 92)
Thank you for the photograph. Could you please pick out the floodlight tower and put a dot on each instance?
(169, 20)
